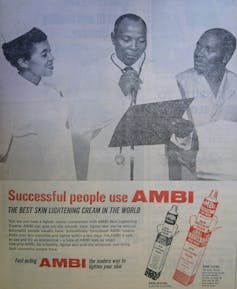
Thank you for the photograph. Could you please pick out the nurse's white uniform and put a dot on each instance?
(35, 134)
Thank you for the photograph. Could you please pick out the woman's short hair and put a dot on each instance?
(22, 46)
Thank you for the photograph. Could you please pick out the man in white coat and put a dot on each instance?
(126, 79)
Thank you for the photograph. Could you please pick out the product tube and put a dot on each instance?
(196, 241)
(162, 244)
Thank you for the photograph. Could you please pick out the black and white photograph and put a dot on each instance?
(70, 74)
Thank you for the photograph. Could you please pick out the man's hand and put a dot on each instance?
(129, 81)
(181, 127)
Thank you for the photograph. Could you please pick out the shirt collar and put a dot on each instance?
(136, 66)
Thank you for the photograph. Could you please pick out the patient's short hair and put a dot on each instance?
(227, 38)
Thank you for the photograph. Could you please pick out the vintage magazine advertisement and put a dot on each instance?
(120, 235)
(118, 124)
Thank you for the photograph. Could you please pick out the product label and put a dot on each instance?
(159, 253)
(197, 237)
(170, 218)
(166, 241)
(208, 208)
(190, 258)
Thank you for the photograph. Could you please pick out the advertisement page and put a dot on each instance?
(118, 124)
(120, 235)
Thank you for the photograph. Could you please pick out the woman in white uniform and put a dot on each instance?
(35, 142)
